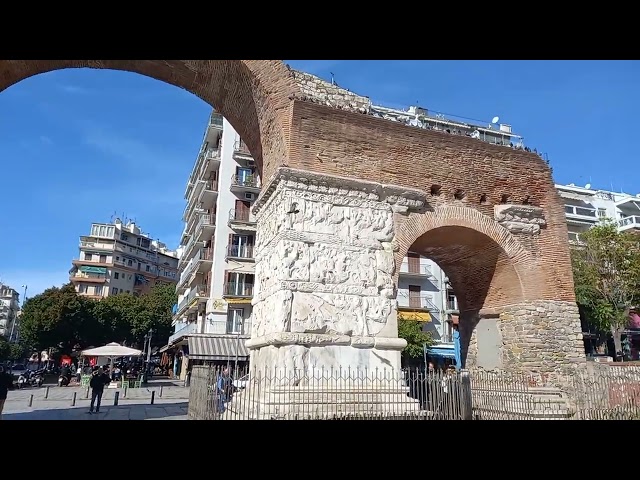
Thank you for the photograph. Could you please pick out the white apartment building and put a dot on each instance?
(9, 312)
(213, 316)
(585, 207)
(119, 258)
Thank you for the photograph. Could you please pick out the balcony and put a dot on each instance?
(629, 223)
(242, 220)
(628, 202)
(88, 278)
(235, 289)
(241, 151)
(415, 269)
(216, 121)
(240, 252)
(249, 183)
(198, 263)
(582, 214)
(198, 292)
(208, 194)
(205, 227)
(207, 162)
(418, 301)
(106, 246)
(188, 329)
(574, 239)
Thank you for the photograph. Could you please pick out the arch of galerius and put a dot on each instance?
(346, 194)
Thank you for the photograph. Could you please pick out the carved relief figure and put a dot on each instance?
(294, 258)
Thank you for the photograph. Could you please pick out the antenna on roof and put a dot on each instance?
(333, 81)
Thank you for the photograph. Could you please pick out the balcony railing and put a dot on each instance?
(241, 216)
(202, 255)
(197, 291)
(581, 211)
(205, 221)
(416, 300)
(235, 289)
(186, 330)
(410, 268)
(240, 251)
(251, 181)
(632, 221)
(89, 277)
(215, 120)
(240, 147)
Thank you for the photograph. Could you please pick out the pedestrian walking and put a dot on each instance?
(98, 381)
(224, 386)
(6, 384)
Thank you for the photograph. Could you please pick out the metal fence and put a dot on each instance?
(280, 394)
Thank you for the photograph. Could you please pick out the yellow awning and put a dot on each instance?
(414, 316)
(238, 301)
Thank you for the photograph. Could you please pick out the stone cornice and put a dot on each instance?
(401, 198)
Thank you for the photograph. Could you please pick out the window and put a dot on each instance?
(130, 263)
(116, 275)
(82, 288)
(88, 257)
(148, 268)
(114, 291)
(103, 259)
(415, 293)
(124, 237)
(602, 212)
(235, 320)
(98, 290)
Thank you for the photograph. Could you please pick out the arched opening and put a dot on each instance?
(450, 277)
(250, 94)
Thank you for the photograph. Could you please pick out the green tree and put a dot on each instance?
(116, 315)
(58, 318)
(606, 273)
(18, 351)
(5, 349)
(412, 332)
(159, 304)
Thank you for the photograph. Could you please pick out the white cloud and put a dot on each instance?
(74, 89)
(37, 281)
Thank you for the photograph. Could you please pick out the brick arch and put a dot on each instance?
(483, 249)
(254, 95)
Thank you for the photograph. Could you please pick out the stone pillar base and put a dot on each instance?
(385, 399)
(542, 336)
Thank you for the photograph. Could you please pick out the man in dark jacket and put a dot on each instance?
(6, 384)
(98, 380)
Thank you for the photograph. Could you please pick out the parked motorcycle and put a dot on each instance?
(64, 380)
(31, 379)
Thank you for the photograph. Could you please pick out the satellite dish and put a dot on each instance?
(587, 186)
(495, 119)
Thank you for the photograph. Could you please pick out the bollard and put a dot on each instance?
(73, 401)
(116, 397)
(31, 400)
(160, 391)
(153, 396)
(46, 393)
(124, 392)
(86, 394)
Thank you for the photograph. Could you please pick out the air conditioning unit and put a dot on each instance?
(249, 196)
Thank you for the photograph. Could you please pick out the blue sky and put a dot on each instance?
(76, 146)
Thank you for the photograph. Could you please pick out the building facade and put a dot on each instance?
(9, 312)
(586, 207)
(213, 316)
(119, 258)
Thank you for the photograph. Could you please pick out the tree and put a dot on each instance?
(412, 332)
(5, 349)
(606, 273)
(159, 304)
(58, 318)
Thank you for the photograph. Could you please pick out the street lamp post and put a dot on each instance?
(235, 365)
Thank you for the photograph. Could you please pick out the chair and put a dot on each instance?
(124, 383)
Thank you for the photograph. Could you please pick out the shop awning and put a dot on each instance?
(87, 269)
(442, 352)
(217, 347)
(414, 316)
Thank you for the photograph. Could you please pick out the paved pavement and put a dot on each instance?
(57, 403)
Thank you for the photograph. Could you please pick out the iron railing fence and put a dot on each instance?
(345, 394)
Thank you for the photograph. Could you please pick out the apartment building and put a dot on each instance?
(119, 258)
(213, 316)
(9, 312)
(585, 207)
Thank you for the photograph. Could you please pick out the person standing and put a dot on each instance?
(98, 381)
(6, 384)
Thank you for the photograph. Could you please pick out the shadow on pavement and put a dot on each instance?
(172, 411)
